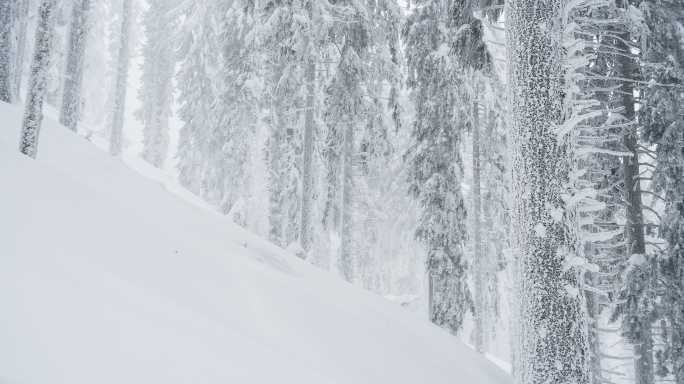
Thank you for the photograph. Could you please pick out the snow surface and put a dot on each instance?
(106, 277)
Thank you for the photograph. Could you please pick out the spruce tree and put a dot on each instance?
(435, 169)
(156, 91)
(200, 59)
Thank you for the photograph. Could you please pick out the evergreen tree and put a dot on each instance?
(200, 59)
(291, 34)
(156, 91)
(472, 61)
(219, 87)
(637, 301)
(435, 168)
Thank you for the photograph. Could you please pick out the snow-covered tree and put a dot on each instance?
(218, 85)
(21, 31)
(73, 77)
(119, 107)
(7, 21)
(291, 37)
(156, 90)
(200, 59)
(636, 305)
(551, 337)
(60, 53)
(436, 163)
(472, 63)
(660, 115)
(33, 112)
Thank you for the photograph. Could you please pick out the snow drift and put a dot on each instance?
(106, 277)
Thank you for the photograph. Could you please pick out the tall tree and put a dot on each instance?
(551, 337)
(116, 138)
(636, 308)
(435, 169)
(33, 112)
(472, 60)
(200, 57)
(73, 77)
(292, 34)
(156, 91)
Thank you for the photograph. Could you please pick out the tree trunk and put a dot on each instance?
(551, 337)
(73, 77)
(276, 212)
(20, 53)
(478, 261)
(345, 258)
(116, 141)
(33, 112)
(307, 177)
(7, 21)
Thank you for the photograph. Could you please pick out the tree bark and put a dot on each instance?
(551, 337)
(345, 258)
(478, 261)
(307, 155)
(7, 21)
(33, 112)
(73, 78)
(21, 31)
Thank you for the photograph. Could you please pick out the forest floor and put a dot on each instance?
(106, 277)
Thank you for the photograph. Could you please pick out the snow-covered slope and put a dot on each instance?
(106, 277)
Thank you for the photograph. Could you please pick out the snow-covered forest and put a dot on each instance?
(509, 170)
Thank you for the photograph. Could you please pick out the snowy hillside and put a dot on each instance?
(106, 277)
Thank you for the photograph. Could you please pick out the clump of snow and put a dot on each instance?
(571, 291)
(540, 230)
(637, 259)
(296, 249)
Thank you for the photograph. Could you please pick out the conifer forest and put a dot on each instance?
(342, 191)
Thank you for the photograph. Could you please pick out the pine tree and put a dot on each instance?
(33, 112)
(116, 139)
(156, 91)
(551, 336)
(435, 168)
(200, 59)
(289, 42)
(73, 78)
(218, 94)
(472, 59)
